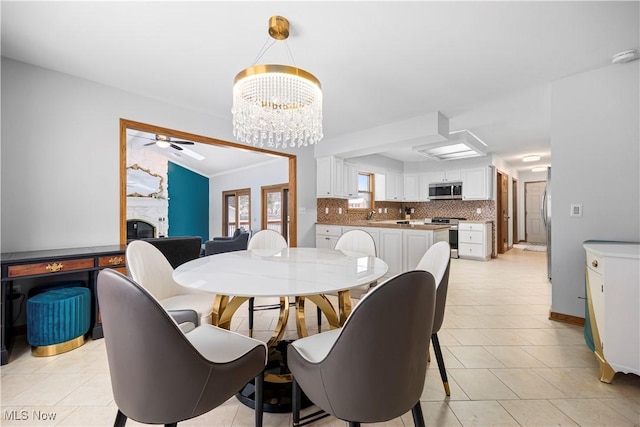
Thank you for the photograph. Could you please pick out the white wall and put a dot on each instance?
(595, 144)
(60, 158)
(269, 173)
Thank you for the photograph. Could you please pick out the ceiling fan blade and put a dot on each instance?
(182, 142)
(177, 147)
(149, 143)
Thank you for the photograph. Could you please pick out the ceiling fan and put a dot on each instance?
(164, 141)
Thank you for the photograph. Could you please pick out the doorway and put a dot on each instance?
(129, 125)
(502, 212)
(236, 207)
(535, 231)
(275, 209)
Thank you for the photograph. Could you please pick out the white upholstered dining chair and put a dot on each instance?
(265, 239)
(361, 242)
(149, 268)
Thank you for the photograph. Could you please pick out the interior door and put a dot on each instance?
(275, 209)
(503, 213)
(535, 231)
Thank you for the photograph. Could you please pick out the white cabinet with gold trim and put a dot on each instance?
(613, 301)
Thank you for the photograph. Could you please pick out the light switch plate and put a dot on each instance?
(576, 210)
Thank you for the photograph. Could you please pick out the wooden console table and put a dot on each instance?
(55, 263)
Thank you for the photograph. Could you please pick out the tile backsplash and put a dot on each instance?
(395, 210)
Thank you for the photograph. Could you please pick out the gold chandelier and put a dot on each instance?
(277, 106)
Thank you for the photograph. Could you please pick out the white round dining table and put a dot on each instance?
(289, 272)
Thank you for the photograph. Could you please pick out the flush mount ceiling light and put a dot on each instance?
(277, 106)
(531, 158)
(463, 146)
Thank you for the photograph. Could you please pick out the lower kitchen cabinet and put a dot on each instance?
(327, 235)
(474, 240)
(415, 244)
(391, 249)
(401, 249)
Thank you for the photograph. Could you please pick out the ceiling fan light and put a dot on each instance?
(162, 143)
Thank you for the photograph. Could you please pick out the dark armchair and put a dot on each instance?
(237, 242)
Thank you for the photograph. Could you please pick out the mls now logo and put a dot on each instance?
(24, 415)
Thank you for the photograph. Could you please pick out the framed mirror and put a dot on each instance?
(142, 182)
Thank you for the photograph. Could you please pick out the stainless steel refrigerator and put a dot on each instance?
(546, 217)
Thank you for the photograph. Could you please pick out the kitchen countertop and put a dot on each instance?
(415, 225)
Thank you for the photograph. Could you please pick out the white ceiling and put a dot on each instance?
(487, 66)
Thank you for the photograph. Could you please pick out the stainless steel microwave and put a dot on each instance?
(445, 191)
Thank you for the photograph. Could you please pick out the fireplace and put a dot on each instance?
(140, 229)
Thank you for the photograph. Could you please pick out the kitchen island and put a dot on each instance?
(400, 245)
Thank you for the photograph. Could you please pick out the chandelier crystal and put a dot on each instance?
(277, 106)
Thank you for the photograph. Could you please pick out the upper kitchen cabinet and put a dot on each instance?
(380, 187)
(445, 176)
(350, 179)
(330, 177)
(394, 186)
(477, 183)
(411, 187)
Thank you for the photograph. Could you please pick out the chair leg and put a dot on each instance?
(418, 418)
(171, 425)
(296, 397)
(121, 419)
(259, 387)
(354, 424)
(251, 317)
(319, 314)
(440, 359)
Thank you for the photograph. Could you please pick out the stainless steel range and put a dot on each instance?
(453, 232)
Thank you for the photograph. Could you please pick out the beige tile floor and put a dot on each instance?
(508, 365)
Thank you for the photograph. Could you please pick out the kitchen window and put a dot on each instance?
(366, 190)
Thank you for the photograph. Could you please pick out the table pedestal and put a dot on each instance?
(277, 378)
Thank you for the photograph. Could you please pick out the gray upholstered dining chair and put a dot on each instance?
(148, 267)
(437, 261)
(373, 368)
(358, 241)
(265, 239)
(160, 375)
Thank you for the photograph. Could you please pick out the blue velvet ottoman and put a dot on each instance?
(58, 319)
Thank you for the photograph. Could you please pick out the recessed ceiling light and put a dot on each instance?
(531, 158)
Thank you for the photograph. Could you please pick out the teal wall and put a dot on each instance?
(188, 202)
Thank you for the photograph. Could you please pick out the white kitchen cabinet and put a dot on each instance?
(373, 232)
(329, 177)
(391, 249)
(424, 179)
(474, 240)
(477, 183)
(410, 187)
(327, 235)
(394, 187)
(446, 176)
(350, 179)
(613, 298)
(380, 184)
(414, 244)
